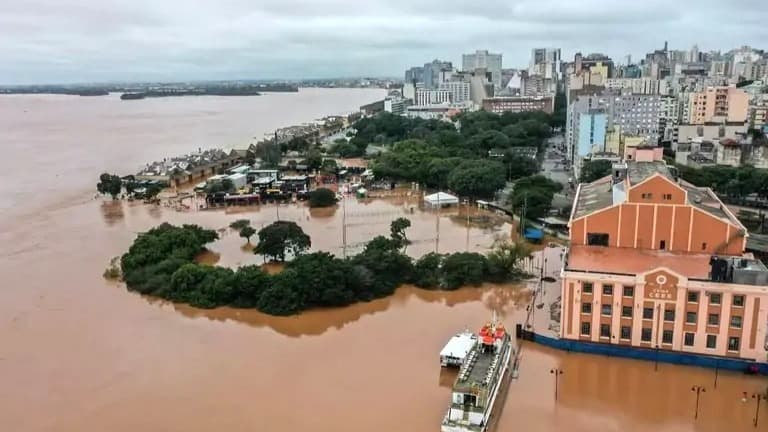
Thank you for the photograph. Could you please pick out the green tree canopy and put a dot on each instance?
(397, 231)
(592, 170)
(280, 239)
(322, 197)
(535, 193)
(478, 179)
(247, 232)
(109, 184)
(240, 224)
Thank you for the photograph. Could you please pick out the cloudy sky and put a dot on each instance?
(56, 41)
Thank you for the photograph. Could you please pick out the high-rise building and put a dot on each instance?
(432, 72)
(635, 114)
(719, 104)
(647, 86)
(432, 97)
(482, 59)
(545, 62)
(414, 74)
(459, 90)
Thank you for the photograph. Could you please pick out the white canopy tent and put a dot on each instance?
(441, 199)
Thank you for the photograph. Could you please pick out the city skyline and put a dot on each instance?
(84, 41)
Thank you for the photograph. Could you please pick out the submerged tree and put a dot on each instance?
(247, 232)
(281, 238)
(109, 184)
(240, 224)
(397, 231)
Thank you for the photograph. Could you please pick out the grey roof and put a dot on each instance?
(594, 196)
(639, 171)
(599, 194)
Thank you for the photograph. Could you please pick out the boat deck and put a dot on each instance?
(477, 368)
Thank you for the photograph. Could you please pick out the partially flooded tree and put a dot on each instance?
(281, 238)
(397, 231)
(109, 184)
(247, 232)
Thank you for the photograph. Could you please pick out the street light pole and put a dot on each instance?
(717, 370)
(468, 209)
(698, 390)
(758, 397)
(556, 372)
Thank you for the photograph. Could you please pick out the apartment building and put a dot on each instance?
(718, 104)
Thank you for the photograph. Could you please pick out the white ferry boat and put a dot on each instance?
(480, 379)
(456, 350)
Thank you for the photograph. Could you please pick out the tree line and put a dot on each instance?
(161, 263)
(442, 155)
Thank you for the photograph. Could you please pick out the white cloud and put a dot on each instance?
(96, 40)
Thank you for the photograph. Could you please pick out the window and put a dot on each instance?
(662, 244)
(690, 317)
(647, 195)
(666, 337)
(738, 300)
(629, 291)
(586, 308)
(667, 197)
(626, 331)
(711, 341)
(693, 296)
(669, 315)
(645, 334)
(607, 289)
(605, 309)
(597, 239)
(605, 330)
(586, 287)
(704, 246)
(736, 322)
(647, 313)
(733, 343)
(586, 329)
(688, 340)
(714, 298)
(713, 320)
(626, 311)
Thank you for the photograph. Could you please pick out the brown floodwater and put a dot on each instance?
(78, 353)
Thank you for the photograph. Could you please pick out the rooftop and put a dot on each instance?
(599, 259)
(600, 193)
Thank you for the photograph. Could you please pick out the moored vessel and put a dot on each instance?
(480, 379)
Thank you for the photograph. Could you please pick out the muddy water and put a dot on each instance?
(78, 353)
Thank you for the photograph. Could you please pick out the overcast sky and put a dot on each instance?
(54, 41)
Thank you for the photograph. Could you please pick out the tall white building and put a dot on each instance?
(545, 62)
(482, 59)
(432, 97)
(459, 90)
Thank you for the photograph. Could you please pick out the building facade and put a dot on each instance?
(643, 86)
(431, 97)
(718, 104)
(482, 59)
(657, 263)
(502, 104)
(459, 90)
(636, 114)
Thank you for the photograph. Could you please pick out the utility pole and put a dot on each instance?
(557, 373)
(758, 397)
(437, 224)
(468, 209)
(698, 390)
(344, 225)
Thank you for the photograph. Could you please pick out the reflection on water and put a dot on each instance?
(112, 211)
(318, 321)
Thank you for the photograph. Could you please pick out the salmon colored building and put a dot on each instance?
(658, 263)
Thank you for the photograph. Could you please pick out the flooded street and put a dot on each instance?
(78, 353)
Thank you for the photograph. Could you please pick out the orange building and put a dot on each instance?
(656, 262)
